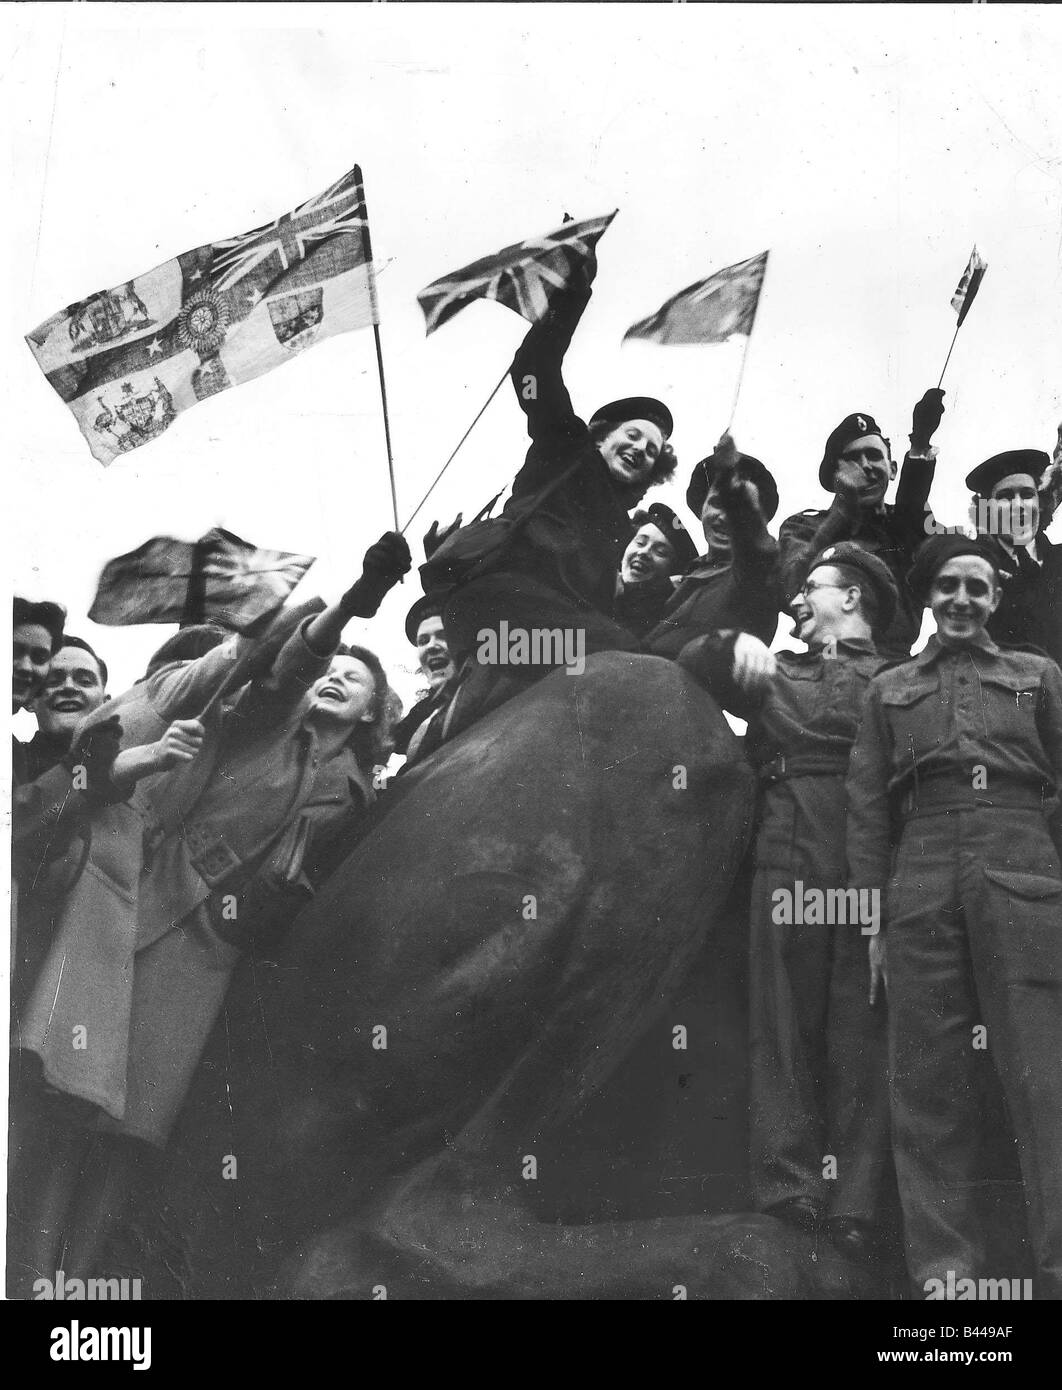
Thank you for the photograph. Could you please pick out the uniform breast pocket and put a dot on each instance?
(916, 716)
(1012, 704)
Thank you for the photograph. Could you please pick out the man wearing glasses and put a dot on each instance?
(819, 1102)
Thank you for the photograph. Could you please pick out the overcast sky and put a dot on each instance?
(868, 147)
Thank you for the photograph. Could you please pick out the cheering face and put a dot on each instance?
(1019, 519)
(345, 695)
(649, 555)
(433, 653)
(871, 454)
(31, 657)
(72, 689)
(963, 598)
(631, 451)
(820, 607)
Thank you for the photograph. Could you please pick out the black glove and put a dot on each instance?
(387, 561)
(95, 751)
(433, 537)
(926, 418)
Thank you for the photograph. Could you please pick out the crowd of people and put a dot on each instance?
(157, 831)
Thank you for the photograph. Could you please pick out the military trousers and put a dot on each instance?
(819, 1110)
(974, 933)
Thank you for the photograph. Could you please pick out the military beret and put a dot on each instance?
(671, 527)
(425, 607)
(748, 468)
(852, 427)
(986, 475)
(873, 569)
(935, 552)
(635, 408)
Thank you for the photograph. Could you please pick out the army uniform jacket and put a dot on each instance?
(985, 719)
(893, 534)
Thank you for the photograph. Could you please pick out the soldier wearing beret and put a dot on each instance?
(961, 751)
(660, 548)
(857, 467)
(735, 584)
(817, 1055)
(1012, 515)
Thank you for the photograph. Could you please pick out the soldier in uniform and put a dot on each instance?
(1030, 567)
(961, 747)
(819, 1099)
(857, 467)
(735, 584)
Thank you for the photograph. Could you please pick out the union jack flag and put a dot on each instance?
(712, 310)
(524, 277)
(966, 289)
(339, 211)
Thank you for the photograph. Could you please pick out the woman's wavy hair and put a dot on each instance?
(663, 468)
(372, 742)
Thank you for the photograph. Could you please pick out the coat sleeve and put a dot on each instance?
(867, 787)
(537, 376)
(710, 659)
(1049, 722)
(912, 493)
(181, 691)
(803, 536)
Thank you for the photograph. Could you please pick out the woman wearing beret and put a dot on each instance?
(216, 856)
(570, 507)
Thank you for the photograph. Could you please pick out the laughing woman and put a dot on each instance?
(227, 837)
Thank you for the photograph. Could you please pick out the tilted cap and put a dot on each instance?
(872, 568)
(856, 426)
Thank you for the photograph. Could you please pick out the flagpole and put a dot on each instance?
(376, 334)
(948, 358)
(748, 339)
(501, 381)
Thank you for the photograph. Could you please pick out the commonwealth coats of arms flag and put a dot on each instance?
(524, 277)
(710, 311)
(128, 360)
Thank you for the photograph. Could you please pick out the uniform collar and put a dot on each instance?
(935, 649)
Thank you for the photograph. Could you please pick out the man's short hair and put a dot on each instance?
(50, 616)
(69, 641)
(868, 599)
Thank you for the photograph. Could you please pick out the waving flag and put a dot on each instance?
(524, 277)
(968, 286)
(217, 579)
(127, 361)
(711, 311)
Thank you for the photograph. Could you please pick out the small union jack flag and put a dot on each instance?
(524, 277)
(339, 211)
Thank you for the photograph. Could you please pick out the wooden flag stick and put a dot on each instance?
(387, 423)
(745, 352)
(367, 243)
(948, 358)
(501, 381)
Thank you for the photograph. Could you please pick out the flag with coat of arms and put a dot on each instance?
(128, 360)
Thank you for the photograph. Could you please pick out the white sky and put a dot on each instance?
(868, 147)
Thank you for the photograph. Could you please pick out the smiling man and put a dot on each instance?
(425, 632)
(36, 633)
(75, 685)
(858, 467)
(735, 584)
(962, 747)
(817, 1073)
